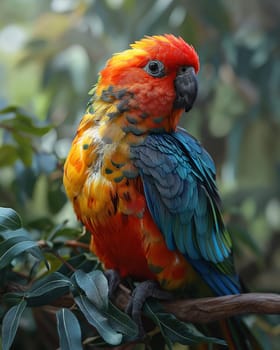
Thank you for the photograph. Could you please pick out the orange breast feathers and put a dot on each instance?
(114, 210)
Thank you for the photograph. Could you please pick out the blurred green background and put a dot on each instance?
(50, 55)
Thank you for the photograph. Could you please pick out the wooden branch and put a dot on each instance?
(205, 310)
(212, 309)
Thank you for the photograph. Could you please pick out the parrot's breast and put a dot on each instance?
(108, 197)
(118, 243)
(135, 247)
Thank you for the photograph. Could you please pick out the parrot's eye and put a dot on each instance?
(155, 68)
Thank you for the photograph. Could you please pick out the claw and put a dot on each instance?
(114, 280)
(139, 295)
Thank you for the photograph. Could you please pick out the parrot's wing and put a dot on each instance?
(179, 184)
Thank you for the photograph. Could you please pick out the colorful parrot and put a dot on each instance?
(143, 186)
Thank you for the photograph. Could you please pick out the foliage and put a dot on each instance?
(51, 52)
(88, 287)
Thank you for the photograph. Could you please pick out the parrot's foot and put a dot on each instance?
(139, 295)
(114, 280)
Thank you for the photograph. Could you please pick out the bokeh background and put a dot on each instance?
(50, 55)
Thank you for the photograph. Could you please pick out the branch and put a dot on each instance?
(213, 309)
(205, 310)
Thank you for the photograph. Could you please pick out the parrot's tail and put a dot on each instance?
(238, 336)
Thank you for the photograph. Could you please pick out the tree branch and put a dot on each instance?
(212, 309)
(205, 310)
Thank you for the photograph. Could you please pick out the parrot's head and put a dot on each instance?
(151, 83)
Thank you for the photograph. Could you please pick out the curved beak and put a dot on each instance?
(186, 89)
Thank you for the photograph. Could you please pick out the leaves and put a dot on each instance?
(95, 286)
(16, 239)
(56, 196)
(69, 330)
(14, 246)
(184, 333)
(10, 324)
(121, 322)
(9, 219)
(98, 320)
(48, 289)
(176, 331)
(8, 155)
(103, 315)
(80, 261)
(90, 292)
(16, 119)
(20, 127)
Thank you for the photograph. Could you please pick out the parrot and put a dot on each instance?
(143, 186)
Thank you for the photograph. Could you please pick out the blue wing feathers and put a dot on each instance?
(180, 189)
(190, 244)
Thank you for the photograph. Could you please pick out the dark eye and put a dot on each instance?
(155, 68)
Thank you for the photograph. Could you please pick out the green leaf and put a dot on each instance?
(13, 247)
(69, 232)
(24, 147)
(240, 234)
(7, 113)
(21, 235)
(121, 322)
(21, 232)
(9, 219)
(8, 155)
(98, 320)
(37, 254)
(13, 298)
(21, 121)
(184, 333)
(13, 237)
(95, 286)
(69, 330)
(176, 331)
(56, 196)
(10, 324)
(25, 181)
(47, 289)
(150, 311)
(78, 262)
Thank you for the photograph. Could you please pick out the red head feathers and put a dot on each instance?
(171, 50)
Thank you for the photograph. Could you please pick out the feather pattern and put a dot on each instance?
(181, 194)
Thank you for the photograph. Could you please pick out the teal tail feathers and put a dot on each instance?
(238, 336)
(234, 331)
